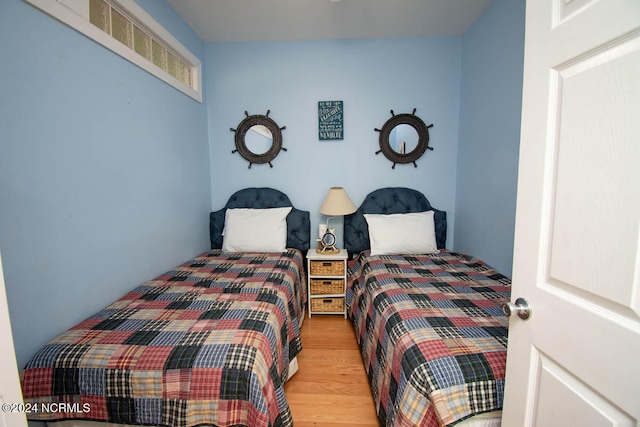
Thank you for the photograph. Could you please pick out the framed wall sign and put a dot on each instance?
(330, 120)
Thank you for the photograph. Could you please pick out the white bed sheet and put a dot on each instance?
(489, 419)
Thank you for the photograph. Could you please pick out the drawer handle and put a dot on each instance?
(327, 301)
(326, 264)
(328, 282)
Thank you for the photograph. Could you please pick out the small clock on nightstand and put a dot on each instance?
(327, 244)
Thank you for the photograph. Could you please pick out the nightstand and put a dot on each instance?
(327, 280)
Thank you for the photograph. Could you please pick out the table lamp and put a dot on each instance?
(337, 203)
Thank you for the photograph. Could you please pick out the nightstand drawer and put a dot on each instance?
(326, 268)
(326, 287)
(327, 305)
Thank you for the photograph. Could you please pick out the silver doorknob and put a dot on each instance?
(521, 308)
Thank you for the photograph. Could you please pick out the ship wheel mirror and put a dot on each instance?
(258, 139)
(404, 138)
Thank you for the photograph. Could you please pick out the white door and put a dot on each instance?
(576, 361)
(10, 392)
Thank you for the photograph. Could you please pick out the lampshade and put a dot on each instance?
(337, 203)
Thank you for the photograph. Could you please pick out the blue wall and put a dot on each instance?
(105, 180)
(371, 77)
(491, 99)
(104, 175)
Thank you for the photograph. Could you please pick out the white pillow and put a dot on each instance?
(255, 230)
(399, 234)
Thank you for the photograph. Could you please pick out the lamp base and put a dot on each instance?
(327, 251)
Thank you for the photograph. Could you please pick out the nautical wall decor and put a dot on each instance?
(404, 138)
(258, 139)
(330, 120)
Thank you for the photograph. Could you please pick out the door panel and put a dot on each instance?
(590, 408)
(597, 206)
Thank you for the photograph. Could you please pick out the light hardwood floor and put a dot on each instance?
(331, 388)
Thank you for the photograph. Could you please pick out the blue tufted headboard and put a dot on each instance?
(389, 200)
(298, 224)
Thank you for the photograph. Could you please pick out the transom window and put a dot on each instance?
(125, 28)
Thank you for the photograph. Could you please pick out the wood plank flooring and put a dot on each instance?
(331, 388)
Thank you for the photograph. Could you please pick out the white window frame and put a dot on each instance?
(75, 14)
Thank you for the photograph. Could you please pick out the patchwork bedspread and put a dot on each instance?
(432, 335)
(208, 343)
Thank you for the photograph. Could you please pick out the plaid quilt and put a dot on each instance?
(432, 335)
(208, 343)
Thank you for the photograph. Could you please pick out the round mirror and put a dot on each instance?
(258, 139)
(404, 138)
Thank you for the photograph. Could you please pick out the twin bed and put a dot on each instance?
(430, 327)
(213, 341)
(208, 343)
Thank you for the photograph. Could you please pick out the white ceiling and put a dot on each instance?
(263, 20)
